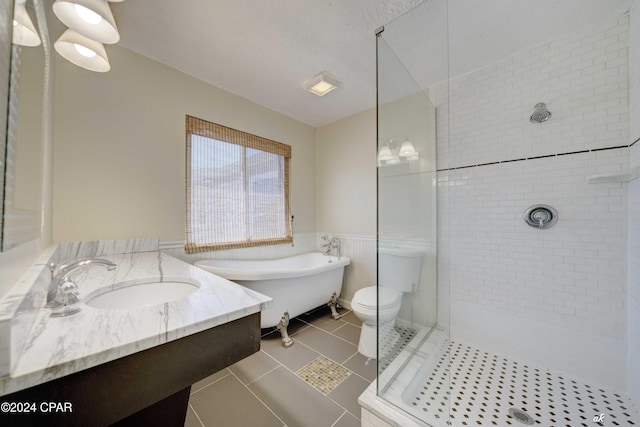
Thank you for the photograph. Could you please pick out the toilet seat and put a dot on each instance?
(375, 318)
(367, 298)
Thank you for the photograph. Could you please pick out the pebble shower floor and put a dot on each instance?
(485, 387)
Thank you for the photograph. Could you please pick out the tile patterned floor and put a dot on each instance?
(492, 390)
(269, 388)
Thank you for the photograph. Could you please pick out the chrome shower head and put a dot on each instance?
(540, 113)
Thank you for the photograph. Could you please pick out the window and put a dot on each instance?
(237, 189)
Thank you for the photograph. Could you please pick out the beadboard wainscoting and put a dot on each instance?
(361, 273)
(417, 309)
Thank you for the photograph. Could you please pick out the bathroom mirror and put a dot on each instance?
(23, 142)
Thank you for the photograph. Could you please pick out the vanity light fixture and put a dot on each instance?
(407, 150)
(322, 83)
(24, 32)
(82, 51)
(390, 153)
(90, 18)
(384, 154)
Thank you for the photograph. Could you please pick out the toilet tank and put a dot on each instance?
(399, 269)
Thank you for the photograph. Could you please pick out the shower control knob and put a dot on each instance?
(541, 216)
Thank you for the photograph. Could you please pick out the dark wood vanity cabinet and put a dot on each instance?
(148, 388)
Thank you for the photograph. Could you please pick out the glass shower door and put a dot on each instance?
(524, 322)
(413, 341)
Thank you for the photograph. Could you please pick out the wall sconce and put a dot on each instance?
(385, 154)
(408, 151)
(82, 51)
(390, 153)
(24, 32)
(91, 18)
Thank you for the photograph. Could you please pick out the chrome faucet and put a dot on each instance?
(63, 290)
(331, 244)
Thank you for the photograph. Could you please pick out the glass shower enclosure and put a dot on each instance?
(523, 312)
(407, 184)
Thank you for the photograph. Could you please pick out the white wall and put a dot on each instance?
(406, 191)
(401, 214)
(633, 327)
(345, 153)
(346, 196)
(556, 297)
(120, 162)
(120, 148)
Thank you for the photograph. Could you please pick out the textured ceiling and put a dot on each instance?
(264, 50)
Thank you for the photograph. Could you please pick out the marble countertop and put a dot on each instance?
(58, 346)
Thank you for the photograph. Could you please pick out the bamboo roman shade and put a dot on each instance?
(237, 189)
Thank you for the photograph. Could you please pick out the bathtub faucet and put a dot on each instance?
(331, 244)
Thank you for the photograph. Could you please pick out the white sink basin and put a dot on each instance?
(141, 292)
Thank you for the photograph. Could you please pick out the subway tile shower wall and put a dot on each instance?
(633, 326)
(634, 79)
(583, 79)
(571, 275)
(569, 279)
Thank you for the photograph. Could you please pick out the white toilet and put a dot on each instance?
(398, 272)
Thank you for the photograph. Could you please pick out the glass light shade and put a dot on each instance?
(385, 153)
(79, 20)
(406, 149)
(82, 51)
(24, 32)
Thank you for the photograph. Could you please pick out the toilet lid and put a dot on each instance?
(367, 297)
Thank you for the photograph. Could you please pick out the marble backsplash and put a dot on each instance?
(97, 248)
(18, 308)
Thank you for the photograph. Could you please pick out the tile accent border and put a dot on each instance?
(538, 157)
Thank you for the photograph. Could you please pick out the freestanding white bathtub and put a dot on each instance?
(297, 284)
